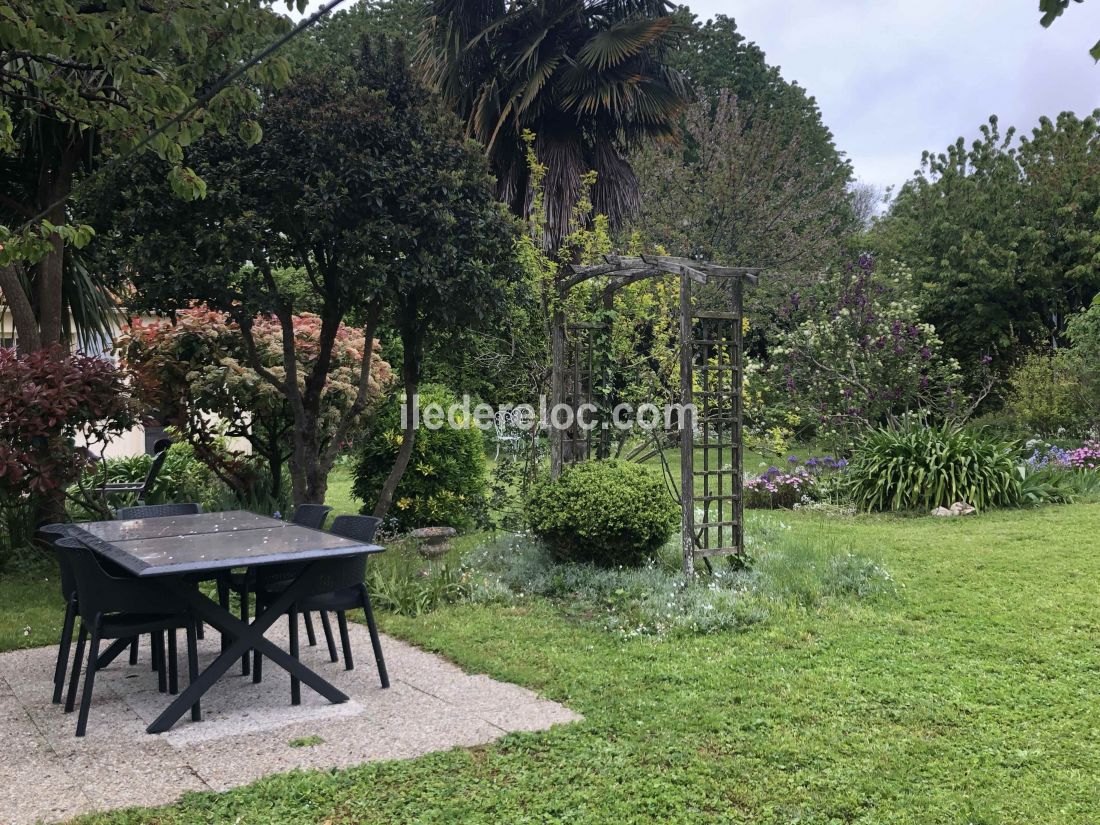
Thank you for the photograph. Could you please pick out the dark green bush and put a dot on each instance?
(1002, 425)
(917, 467)
(445, 483)
(604, 512)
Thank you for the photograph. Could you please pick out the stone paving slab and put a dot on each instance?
(49, 775)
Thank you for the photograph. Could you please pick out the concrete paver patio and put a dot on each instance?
(247, 730)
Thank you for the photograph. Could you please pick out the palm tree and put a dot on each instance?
(587, 77)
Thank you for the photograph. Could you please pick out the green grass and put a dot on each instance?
(339, 496)
(971, 697)
(31, 607)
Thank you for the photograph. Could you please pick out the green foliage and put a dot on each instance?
(1046, 395)
(749, 134)
(406, 237)
(918, 467)
(711, 196)
(403, 582)
(445, 483)
(605, 512)
(1047, 485)
(716, 58)
(1083, 331)
(1058, 392)
(1000, 425)
(88, 81)
(589, 80)
(1053, 9)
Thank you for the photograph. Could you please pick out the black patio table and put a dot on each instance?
(174, 550)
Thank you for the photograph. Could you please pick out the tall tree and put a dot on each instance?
(82, 81)
(740, 191)
(1003, 236)
(364, 183)
(718, 59)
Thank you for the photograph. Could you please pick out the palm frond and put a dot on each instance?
(621, 42)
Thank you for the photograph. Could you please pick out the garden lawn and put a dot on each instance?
(970, 698)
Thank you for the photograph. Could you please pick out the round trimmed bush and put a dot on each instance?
(445, 483)
(604, 512)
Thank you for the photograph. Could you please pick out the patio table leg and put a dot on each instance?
(243, 638)
(115, 649)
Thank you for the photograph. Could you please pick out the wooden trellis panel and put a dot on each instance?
(711, 377)
(711, 353)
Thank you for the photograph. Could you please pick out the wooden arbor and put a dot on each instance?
(711, 462)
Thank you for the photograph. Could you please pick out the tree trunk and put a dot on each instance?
(55, 182)
(557, 387)
(22, 312)
(411, 373)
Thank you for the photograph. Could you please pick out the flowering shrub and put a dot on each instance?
(777, 488)
(1086, 457)
(799, 483)
(194, 372)
(862, 357)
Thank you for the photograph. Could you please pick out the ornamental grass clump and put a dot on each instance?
(605, 512)
(918, 467)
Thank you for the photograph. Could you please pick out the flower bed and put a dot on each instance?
(1083, 458)
(1087, 457)
(798, 483)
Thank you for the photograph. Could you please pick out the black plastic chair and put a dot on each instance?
(141, 489)
(158, 511)
(49, 534)
(310, 515)
(243, 582)
(342, 588)
(113, 607)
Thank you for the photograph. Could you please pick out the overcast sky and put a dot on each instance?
(896, 77)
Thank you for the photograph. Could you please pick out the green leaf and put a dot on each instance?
(250, 132)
